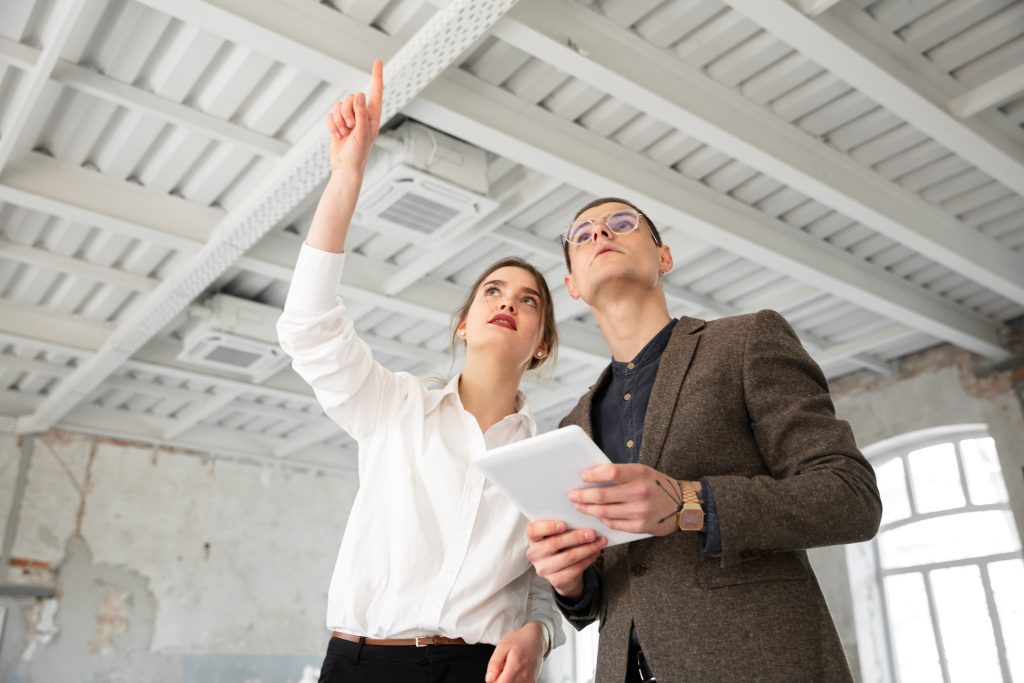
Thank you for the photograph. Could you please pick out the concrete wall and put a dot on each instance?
(169, 567)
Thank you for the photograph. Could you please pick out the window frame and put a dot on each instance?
(864, 559)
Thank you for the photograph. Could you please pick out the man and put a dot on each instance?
(725, 448)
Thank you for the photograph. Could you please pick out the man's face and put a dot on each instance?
(609, 259)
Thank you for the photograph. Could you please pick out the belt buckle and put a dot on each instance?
(424, 638)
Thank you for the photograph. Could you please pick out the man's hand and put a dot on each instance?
(640, 499)
(560, 556)
(518, 657)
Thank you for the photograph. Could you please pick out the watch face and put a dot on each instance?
(692, 519)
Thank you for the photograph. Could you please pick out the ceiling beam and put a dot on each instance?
(36, 367)
(887, 335)
(219, 443)
(111, 90)
(93, 83)
(225, 392)
(290, 31)
(854, 48)
(311, 434)
(199, 411)
(18, 55)
(76, 266)
(57, 188)
(64, 17)
(616, 60)
(77, 333)
(813, 8)
(992, 93)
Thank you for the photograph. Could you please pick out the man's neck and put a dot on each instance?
(629, 322)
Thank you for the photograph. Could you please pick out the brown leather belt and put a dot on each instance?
(419, 641)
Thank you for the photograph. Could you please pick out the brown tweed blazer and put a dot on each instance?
(740, 402)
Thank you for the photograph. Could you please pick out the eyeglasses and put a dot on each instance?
(621, 223)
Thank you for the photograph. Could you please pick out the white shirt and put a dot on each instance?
(430, 548)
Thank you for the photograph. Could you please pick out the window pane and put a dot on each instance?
(951, 537)
(1008, 585)
(984, 476)
(936, 478)
(892, 486)
(965, 625)
(916, 655)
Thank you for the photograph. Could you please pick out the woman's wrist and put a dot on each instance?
(542, 631)
(346, 177)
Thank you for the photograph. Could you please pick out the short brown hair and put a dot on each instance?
(608, 200)
(550, 334)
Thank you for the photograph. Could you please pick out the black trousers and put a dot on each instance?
(637, 670)
(348, 662)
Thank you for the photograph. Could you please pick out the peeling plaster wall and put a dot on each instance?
(169, 567)
(941, 387)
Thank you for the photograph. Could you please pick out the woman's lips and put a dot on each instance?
(504, 321)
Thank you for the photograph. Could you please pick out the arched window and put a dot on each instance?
(939, 593)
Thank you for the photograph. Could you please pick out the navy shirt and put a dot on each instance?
(617, 414)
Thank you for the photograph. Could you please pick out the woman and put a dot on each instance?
(432, 581)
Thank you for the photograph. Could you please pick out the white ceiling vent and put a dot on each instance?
(233, 334)
(422, 185)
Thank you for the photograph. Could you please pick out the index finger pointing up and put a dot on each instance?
(373, 103)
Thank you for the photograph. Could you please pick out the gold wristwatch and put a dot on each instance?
(691, 516)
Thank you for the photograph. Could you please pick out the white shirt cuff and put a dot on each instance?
(314, 287)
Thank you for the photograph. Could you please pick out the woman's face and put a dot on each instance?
(506, 317)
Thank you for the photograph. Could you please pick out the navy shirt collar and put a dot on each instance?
(650, 353)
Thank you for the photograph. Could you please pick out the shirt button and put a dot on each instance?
(630, 366)
(627, 397)
(639, 569)
(629, 444)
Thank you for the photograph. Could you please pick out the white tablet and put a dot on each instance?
(538, 473)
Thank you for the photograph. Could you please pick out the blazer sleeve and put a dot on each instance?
(587, 609)
(355, 391)
(821, 490)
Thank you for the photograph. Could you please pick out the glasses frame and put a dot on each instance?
(564, 237)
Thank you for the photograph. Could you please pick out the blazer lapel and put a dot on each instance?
(675, 361)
